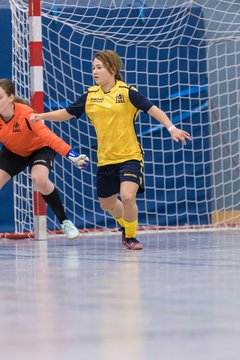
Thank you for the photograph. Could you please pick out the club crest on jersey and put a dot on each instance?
(120, 99)
(16, 127)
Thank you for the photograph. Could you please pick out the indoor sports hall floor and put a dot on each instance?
(178, 299)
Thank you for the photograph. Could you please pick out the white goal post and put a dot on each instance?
(185, 56)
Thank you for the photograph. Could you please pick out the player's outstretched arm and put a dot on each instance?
(58, 115)
(55, 142)
(176, 134)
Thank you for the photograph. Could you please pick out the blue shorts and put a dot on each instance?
(110, 177)
(13, 164)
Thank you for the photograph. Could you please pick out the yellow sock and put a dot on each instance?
(120, 221)
(131, 228)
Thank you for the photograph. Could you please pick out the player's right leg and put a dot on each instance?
(108, 187)
(114, 207)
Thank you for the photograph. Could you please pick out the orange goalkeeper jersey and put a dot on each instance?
(21, 137)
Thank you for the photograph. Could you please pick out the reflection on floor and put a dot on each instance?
(178, 299)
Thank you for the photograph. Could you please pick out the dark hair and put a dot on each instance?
(9, 88)
(111, 62)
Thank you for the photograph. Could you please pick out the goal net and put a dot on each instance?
(183, 55)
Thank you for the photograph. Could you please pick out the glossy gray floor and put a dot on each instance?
(178, 299)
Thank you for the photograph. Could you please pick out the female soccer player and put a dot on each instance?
(34, 145)
(112, 107)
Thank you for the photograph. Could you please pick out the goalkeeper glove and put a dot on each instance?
(81, 161)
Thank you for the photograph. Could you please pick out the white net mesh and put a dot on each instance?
(184, 56)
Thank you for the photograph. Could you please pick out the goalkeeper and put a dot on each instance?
(34, 145)
(112, 107)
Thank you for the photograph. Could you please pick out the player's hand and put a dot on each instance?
(35, 118)
(178, 134)
(81, 161)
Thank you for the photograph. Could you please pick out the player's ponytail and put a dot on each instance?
(21, 101)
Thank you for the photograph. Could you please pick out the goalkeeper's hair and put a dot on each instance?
(9, 88)
(111, 61)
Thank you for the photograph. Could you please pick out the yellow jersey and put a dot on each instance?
(113, 115)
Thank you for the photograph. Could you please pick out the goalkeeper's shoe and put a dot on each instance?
(133, 244)
(69, 229)
(122, 229)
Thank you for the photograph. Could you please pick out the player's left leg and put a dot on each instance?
(128, 192)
